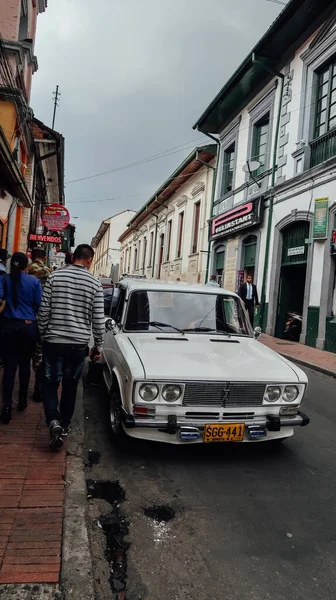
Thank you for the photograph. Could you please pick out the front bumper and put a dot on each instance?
(173, 425)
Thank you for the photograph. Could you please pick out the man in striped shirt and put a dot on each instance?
(72, 306)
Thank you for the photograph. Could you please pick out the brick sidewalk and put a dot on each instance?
(309, 357)
(31, 500)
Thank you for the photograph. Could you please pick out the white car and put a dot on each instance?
(183, 365)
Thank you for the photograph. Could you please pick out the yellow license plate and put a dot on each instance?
(224, 432)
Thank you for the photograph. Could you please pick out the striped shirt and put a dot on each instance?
(72, 305)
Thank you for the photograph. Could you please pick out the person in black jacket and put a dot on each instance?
(249, 295)
(4, 256)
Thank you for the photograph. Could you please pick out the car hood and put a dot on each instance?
(211, 358)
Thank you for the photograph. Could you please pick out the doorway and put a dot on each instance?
(249, 255)
(292, 274)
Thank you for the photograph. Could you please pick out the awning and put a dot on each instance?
(10, 175)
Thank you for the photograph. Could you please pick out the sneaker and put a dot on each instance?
(22, 404)
(56, 441)
(66, 430)
(6, 415)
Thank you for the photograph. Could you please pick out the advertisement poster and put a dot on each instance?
(239, 279)
(55, 217)
(230, 266)
(320, 219)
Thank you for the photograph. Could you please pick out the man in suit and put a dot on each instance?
(249, 295)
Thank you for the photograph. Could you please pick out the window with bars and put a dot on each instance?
(228, 167)
(197, 210)
(260, 144)
(169, 232)
(180, 235)
(323, 145)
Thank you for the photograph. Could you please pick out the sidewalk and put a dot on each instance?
(31, 500)
(322, 361)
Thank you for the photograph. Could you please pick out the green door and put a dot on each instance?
(250, 250)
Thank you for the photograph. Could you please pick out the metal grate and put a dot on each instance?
(223, 394)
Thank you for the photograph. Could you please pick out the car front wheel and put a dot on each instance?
(117, 432)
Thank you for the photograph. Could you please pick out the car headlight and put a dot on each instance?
(149, 392)
(171, 393)
(291, 393)
(272, 393)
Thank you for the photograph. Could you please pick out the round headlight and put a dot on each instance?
(171, 393)
(291, 393)
(273, 393)
(149, 391)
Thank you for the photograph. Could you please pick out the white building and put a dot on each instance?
(107, 247)
(168, 237)
(279, 109)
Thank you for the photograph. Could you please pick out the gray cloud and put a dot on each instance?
(134, 77)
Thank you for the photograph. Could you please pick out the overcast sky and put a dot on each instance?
(134, 77)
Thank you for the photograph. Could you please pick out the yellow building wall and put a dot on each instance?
(8, 120)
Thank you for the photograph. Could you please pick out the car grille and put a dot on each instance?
(223, 394)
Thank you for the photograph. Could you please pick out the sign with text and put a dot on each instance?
(240, 217)
(296, 251)
(45, 239)
(320, 219)
(55, 217)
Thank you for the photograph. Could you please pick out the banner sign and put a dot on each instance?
(333, 243)
(46, 239)
(320, 219)
(296, 251)
(241, 217)
(55, 217)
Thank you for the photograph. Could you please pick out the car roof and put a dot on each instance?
(154, 285)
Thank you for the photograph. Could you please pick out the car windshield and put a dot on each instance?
(186, 311)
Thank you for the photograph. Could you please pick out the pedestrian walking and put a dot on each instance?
(22, 295)
(213, 281)
(249, 295)
(39, 269)
(72, 306)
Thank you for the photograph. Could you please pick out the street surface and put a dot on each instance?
(198, 523)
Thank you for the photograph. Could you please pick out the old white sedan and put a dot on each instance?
(182, 365)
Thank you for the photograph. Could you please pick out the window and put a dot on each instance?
(169, 232)
(324, 144)
(197, 209)
(135, 259)
(129, 259)
(151, 248)
(138, 257)
(260, 143)
(227, 181)
(144, 254)
(180, 235)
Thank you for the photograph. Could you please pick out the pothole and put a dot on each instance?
(115, 528)
(160, 513)
(93, 458)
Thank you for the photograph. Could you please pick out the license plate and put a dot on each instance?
(224, 432)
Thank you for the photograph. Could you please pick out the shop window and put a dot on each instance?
(197, 210)
(228, 168)
(323, 145)
(260, 143)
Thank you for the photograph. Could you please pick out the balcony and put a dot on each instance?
(323, 148)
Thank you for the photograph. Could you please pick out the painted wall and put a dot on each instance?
(107, 252)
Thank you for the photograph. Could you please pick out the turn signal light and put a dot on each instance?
(289, 411)
(144, 411)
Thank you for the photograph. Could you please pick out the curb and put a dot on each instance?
(312, 366)
(76, 573)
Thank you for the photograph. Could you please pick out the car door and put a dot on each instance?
(111, 351)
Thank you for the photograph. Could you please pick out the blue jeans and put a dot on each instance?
(19, 341)
(61, 363)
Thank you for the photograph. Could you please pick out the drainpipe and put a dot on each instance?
(214, 181)
(261, 64)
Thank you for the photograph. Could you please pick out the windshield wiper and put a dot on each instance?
(158, 324)
(207, 330)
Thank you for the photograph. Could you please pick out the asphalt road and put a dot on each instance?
(199, 523)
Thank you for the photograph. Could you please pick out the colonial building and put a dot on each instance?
(168, 236)
(107, 247)
(275, 205)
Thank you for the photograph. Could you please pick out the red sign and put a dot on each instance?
(47, 239)
(55, 217)
(240, 217)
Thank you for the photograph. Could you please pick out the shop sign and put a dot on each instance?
(241, 217)
(320, 219)
(296, 251)
(55, 217)
(45, 239)
(333, 243)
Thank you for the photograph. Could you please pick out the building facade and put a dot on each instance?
(107, 247)
(168, 237)
(274, 214)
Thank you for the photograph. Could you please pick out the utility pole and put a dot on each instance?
(56, 96)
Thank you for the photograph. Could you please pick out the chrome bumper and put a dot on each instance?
(172, 424)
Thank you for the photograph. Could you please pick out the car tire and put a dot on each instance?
(117, 433)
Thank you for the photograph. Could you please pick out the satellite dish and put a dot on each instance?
(252, 165)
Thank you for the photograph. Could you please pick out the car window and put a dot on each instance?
(186, 311)
(117, 310)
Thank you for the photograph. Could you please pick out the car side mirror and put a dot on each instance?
(110, 325)
(257, 332)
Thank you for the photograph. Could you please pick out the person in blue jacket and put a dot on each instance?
(22, 295)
